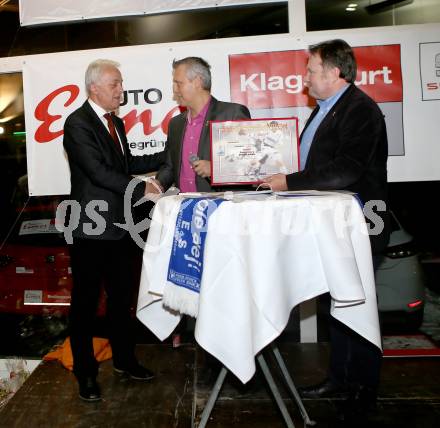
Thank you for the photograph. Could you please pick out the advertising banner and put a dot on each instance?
(430, 70)
(245, 70)
(48, 11)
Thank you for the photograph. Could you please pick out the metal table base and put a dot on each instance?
(274, 389)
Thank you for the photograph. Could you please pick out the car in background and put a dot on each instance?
(35, 277)
(400, 280)
(35, 272)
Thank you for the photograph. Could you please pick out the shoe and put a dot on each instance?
(135, 371)
(325, 389)
(89, 389)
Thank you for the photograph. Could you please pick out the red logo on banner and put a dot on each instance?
(132, 118)
(275, 79)
(44, 135)
(379, 72)
(268, 79)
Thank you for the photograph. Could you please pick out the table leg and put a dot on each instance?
(212, 397)
(292, 387)
(275, 391)
(308, 325)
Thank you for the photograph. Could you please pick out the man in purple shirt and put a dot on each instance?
(188, 148)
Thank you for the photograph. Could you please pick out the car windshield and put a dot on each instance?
(31, 220)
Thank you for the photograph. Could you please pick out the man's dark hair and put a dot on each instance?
(196, 66)
(337, 53)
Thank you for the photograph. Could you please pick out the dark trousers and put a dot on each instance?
(354, 361)
(96, 263)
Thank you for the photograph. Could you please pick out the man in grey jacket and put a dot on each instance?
(188, 149)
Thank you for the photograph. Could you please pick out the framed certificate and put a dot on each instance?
(247, 151)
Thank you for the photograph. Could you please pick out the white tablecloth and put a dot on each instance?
(265, 254)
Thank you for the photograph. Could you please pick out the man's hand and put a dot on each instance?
(152, 188)
(202, 168)
(276, 182)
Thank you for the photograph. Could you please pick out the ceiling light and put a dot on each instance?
(350, 9)
(2, 130)
(352, 5)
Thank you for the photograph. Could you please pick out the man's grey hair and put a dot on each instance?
(196, 66)
(95, 69)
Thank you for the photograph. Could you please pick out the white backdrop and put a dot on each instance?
(413, 121)
(34, 12)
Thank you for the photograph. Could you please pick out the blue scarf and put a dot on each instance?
(186, 260)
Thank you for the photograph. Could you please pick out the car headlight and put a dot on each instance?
(401, 251)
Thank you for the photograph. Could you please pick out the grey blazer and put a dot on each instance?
(169, 173)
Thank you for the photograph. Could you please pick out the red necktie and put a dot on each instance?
(111, 127)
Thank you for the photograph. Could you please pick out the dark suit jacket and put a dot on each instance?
(349, 152)
(170, 171)
(99, 171)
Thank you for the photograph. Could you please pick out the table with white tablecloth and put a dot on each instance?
(264, 254)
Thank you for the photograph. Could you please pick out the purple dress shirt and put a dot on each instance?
(190, 147)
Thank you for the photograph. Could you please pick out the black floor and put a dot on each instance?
(409, 395)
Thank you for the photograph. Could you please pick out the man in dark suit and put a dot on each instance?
(188, 148)
(101, 166)
(344, 147)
